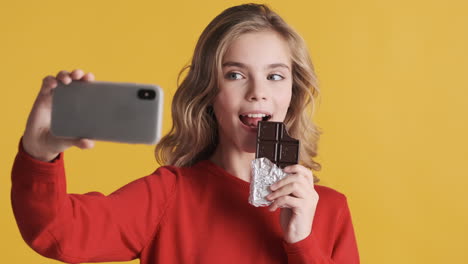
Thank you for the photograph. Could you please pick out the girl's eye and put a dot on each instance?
(275, 77)
(234, 76)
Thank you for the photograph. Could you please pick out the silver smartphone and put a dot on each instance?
(108, 111)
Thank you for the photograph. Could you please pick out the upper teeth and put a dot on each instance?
(256, 115)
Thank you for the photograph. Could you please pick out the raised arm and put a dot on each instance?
(85, 228)
(71, 227)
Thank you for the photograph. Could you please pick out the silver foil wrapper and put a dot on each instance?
(264, 174)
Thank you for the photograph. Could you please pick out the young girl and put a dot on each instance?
(248, 65)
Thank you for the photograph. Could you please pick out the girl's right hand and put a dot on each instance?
(37, 139)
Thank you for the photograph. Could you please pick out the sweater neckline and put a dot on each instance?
(216, 170)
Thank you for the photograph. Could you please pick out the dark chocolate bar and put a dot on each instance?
(274, 143)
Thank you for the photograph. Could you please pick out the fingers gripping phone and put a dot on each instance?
(108, 111)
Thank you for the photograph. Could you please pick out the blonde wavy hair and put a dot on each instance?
(194, 133)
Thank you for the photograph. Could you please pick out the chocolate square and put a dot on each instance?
(267, 150)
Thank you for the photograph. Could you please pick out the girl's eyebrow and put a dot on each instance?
(278, 65)
(243, 66)
(234, 64)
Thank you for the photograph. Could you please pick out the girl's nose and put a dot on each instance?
(257, 91)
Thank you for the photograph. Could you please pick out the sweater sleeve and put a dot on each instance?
(85, 228)
(344, 246)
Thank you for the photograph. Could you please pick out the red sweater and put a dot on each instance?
(198, 214)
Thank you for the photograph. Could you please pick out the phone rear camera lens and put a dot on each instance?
(146, 94)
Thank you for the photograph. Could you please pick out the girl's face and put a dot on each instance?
(255, 84)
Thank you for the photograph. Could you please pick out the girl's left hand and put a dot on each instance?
(296, 195)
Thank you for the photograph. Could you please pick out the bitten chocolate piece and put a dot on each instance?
(274, 143)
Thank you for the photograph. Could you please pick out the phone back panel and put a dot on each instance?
(107, 111)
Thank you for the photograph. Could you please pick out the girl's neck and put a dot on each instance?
(234, 161)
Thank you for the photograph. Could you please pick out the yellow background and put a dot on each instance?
(393, 76)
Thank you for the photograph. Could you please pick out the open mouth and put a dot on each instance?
(251, 120)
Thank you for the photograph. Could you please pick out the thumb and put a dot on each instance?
(84, 143)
